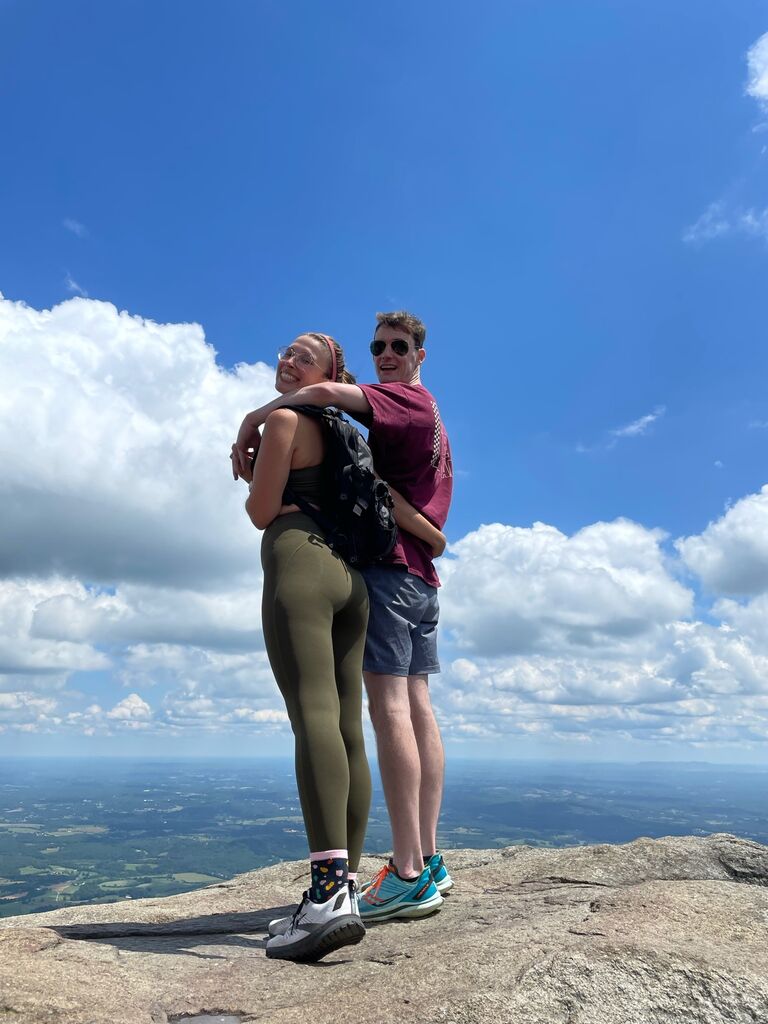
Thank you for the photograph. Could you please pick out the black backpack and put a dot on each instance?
(358, 518)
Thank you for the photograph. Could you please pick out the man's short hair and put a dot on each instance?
(406, 322)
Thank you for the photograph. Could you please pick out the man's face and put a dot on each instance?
(394, 366)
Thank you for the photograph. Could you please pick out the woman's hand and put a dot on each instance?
(243, 459)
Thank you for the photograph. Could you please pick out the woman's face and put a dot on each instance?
(305, 361)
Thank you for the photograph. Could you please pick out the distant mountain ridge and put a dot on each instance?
(657, 930)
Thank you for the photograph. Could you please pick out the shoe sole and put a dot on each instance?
(346, 931)
(424, 909)
(443, 886)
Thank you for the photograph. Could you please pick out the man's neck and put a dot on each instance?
(414, 380)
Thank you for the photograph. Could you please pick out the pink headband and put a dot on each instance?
(332, 350)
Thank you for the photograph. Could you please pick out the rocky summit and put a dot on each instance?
(652, 932)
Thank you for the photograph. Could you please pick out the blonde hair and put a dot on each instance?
(343, 376)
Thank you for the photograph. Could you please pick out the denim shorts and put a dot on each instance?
(402, 626)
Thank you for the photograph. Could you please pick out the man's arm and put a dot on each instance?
(410, 519)
(347, 397)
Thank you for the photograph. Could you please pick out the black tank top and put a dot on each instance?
(307, 483)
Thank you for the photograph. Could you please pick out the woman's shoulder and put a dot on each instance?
(284, 423)
(283, 417)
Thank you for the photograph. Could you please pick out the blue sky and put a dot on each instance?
(571, 194)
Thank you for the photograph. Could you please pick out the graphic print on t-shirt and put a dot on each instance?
(441, 453)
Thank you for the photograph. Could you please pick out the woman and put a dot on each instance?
(314, 612)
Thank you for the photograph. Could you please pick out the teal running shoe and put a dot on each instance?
(436, 865)
(389, 896)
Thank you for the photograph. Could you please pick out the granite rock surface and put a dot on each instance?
(650, 932)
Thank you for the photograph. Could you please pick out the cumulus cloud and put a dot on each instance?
(516, 590)
(584, 638)
(731, 555)
(131, 709)
(210, 714)
(700, 685)
(141, 614)
(197, 671)
(126, 559)
(114, 433)
(35, 662)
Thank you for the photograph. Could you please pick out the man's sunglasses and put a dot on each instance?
(399, 346)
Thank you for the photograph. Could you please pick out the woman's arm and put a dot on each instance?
(347, 397)
(411, 520)
(273, 464)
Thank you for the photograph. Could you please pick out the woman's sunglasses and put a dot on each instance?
(399, 346)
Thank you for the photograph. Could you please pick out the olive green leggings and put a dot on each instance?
(314, 613)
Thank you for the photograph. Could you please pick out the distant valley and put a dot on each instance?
(100, 830)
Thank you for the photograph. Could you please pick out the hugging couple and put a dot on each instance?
(326, 625)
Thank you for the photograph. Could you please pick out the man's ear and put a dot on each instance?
(422, 355)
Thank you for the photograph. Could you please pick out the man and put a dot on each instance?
(411, 451)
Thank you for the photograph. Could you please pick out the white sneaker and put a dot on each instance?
(317, 929)
(280, 925)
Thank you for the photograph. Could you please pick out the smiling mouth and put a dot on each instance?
(288, 377)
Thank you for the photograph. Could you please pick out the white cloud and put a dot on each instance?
(639, 426)
(197, 671)
(535, 590)
(219, 714)
(585, 638)
(757, 64)
(25, 711)
(722, 217)
(73, 287)
(713, 223)
(636, 428)
(700, 685)
(114, 435)
(140, 613)
(731, 555)
(131, 708)
(719, 220)
(31, 661)
(75, 227)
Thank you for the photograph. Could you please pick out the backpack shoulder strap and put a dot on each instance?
(316, 412)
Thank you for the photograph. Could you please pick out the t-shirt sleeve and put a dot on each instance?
(391, 406)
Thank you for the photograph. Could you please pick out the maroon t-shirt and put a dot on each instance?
(411, 451)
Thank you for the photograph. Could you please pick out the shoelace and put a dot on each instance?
(298, 910)
(378, 881)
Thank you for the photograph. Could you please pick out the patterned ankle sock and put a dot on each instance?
(330, 874)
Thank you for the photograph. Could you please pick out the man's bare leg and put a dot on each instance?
(399, 764)
(431, 760)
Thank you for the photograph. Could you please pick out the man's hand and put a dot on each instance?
(438, 545)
